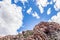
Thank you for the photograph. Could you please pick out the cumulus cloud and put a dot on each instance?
(16, 1)
(29, 10)
(48, 11)
(57, 4)
(41, 4)
(41, 9)
(55, 18)
(35, 15)
(10, 18)
(23, 1)
(51, 2)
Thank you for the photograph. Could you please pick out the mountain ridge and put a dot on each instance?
(41, 31)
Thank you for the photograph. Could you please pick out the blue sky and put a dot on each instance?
(30, 19)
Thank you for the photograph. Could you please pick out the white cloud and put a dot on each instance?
(10, 18)
(55, 18)
(49, 11)
(35, 15)
(51, 2)
(29, 10)
(41, 4)
(41, 9)
(57, 4)
(16, 1)
(23, 1)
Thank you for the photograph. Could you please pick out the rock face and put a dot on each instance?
(42, 31)
(50, 29)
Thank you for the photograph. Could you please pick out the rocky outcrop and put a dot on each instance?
(42, 31)
(50, 29)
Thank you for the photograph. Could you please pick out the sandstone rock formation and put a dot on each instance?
(42, 31)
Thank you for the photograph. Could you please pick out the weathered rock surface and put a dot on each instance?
(42, 31)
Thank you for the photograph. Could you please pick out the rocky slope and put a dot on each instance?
(42, 31)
